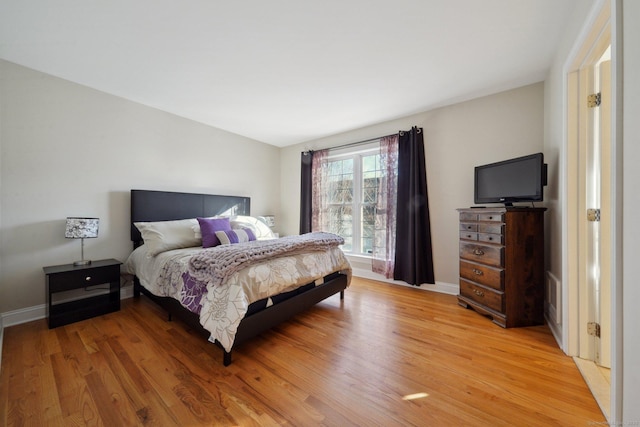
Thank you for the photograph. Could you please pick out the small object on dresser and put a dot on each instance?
(67, 283)
(81, 228)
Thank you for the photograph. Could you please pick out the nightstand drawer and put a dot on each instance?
(82, 278)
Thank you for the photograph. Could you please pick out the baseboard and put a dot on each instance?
(556, 329)
(29, 314)
(441, 287)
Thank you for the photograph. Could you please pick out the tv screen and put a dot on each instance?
(515, 180)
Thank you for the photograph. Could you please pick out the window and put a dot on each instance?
(354, 177)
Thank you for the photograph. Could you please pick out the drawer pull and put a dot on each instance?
(479, 293)
(468, 236)
(477, 272)
(478, 252)
(87, 279)
(490, 238)
(468, 227)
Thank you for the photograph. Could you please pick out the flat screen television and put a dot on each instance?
(519, 179)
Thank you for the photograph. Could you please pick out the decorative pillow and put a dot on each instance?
(208, 229)
(240, 235)
(163, 236)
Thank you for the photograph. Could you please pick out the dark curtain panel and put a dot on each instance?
(413, 260)
(306, 191)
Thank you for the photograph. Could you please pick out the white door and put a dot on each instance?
(595, 238)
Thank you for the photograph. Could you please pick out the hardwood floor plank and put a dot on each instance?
(386, 355)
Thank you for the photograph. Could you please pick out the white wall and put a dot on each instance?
(555, 93)
(626, 387)
(70, 150)
(457, 138)
(630, 292)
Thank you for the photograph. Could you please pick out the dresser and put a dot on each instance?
(502, 264)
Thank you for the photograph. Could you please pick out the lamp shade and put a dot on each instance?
(81, 228)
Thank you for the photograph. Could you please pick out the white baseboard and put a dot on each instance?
(556, 329)
(441, 287)
(29, 314)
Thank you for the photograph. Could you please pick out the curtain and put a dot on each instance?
(320, 190)
(413, 258)
(384, 243)
(306, 191)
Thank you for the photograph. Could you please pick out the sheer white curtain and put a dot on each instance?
(384, 245)
(319, 190)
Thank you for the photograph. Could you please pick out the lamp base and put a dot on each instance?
(82, 262)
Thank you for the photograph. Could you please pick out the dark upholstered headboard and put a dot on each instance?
(149, 205)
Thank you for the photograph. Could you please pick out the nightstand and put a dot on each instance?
(67, 301)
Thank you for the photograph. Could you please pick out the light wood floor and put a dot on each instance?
(386, 356)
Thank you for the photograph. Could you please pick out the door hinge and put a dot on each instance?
(594, 100)
(593, 215)
(593, 329)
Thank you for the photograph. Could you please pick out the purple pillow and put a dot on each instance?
(208, 228)
(239, 235)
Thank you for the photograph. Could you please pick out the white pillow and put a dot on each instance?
(259, 228)
(163, 236)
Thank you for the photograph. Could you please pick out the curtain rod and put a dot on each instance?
(351, 144)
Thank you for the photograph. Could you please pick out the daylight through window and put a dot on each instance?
(354, 176)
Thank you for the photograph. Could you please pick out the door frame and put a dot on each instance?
(605, 13)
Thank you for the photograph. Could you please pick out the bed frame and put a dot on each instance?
(149, 205)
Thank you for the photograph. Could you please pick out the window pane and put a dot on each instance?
(367, 232)
(341, 220)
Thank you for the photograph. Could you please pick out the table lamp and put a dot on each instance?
(81, 228)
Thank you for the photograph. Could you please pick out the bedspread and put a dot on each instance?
(221, 307)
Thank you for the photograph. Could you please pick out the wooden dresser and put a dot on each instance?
(502, 264)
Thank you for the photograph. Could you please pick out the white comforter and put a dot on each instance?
(221, 308)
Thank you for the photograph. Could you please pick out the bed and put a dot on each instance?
(259, 307)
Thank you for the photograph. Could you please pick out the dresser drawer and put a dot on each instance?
(491, 238)
(491, 217)
(482, 295)
(485, 227)
(485, 275)
(466, 235)
(469, 226)
(468, 216)
(486, 254)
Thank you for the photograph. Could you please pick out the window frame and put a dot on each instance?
(356, 153)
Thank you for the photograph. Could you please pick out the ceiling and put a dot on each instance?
(287, 71)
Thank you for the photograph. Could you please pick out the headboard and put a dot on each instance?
(147, 205)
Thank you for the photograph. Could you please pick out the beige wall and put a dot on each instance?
(69, 150)
(457, 138)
